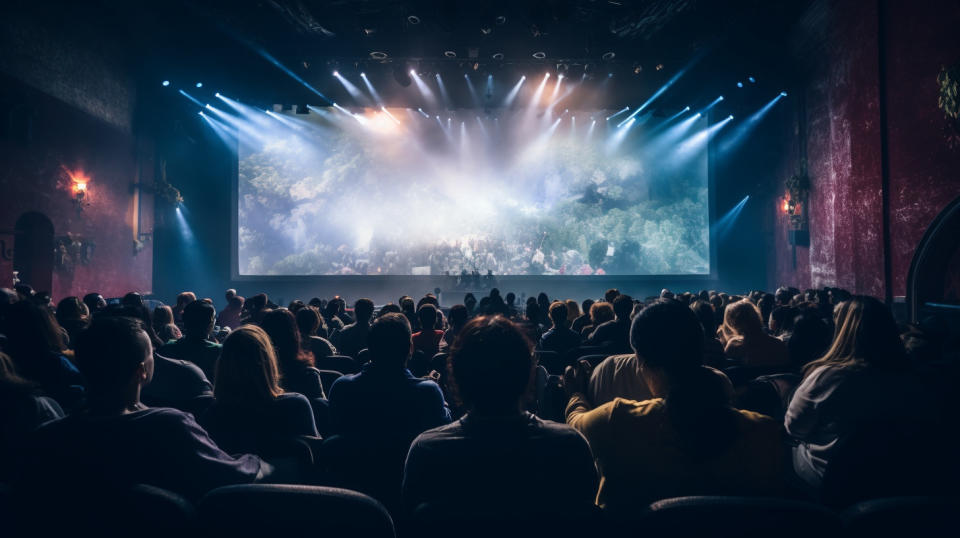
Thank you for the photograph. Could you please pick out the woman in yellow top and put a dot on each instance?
(687, 439)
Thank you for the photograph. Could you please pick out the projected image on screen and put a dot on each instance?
(530, 191)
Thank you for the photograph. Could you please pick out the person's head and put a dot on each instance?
(585, 306)
(256, 303)
(281, 327)
(72, 309)
(427, 315)
(115, 357)
(809, 338)
(558, 314)
(623, 307)
(573, 309)
(235, 303)
(247, 371)
(704, 312)
(668, 337)
(782, 296)
(390, 308)
(601, 312)
(543, 301)
(470, 301)
(408, 305)
(185, 298)
(458, 316)
(198, 319)
(510, 298)
(363, 310)
(766, 304)
(743, 318)
(33, 336)
(168, 332)
(132, 299)
(95, 302)
(389, 341)
(308, 321)
(295, 305)
(610, 295)
(533, 312)
(230, 294)
(162, 315)
(666, 294)
(492, 366)
(866, 335)
(781, 319)
(494, 292)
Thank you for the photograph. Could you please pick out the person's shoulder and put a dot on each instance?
(636, 408)
(440, 433)
(553, 429)
(757, 424)
(182, 366)
(292, 399)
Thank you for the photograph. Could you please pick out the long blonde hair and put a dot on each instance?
(866, 335)
(247, 372)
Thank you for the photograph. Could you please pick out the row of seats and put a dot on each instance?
(294, 510)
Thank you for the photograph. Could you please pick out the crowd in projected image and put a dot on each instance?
(512, 191)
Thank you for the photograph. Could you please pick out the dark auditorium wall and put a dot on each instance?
(868, 95)
(67, 104)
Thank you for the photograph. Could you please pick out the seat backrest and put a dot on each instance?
(338, 363)
(327, 377)
(891, 458)
(903, 516)
(552, 361)
(363, 357)
(276, 510)
(442, 520)
(737, 516)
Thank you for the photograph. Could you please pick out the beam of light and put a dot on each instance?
(698, 142)
(488, 90)
(619, 135)
(666, 140)
(712, 104)
(392, 117)
(483, 128)
(656, 94)
(252, 126)
(192, 98)
(443, 91)
(615, 114)
(593, 124)
(724, 224)
(473, 92)
(351, 88)
(735, 138)
(371, 89)
(425, 90)
(514, 91)
(422, 113)
(539, 92)
(236, 105)
(276, 63)
(556, 88)
(185, 231)
(221, 130)
(284, 120)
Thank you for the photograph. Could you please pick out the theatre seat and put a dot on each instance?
(327, 377)
(287, 510)
(904, 516)
(721, 517)
(447, 519)
(338, 363)
(552, 361)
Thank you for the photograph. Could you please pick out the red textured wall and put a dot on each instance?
(32, 179)
(844, 140)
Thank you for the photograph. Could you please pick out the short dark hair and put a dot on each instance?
(458, 315)
(198, 318)
(611, 294)
(623, 306)
(585, 306)
(427, 314)
(109, 352)
(668, 335)
(363, 308)
(558, 313)
(389, 339)
(491, 362)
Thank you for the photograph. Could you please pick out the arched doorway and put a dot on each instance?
(33, 250)
(934, 277)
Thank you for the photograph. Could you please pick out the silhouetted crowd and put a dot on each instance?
(549, 407)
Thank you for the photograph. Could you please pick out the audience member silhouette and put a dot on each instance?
(297, 371)
(117, 441)
(687, 439)
(428, 341)
(498, 456)
(559, 338)
(745, 340)
(309, 321)
(195, 346)
(252, 413)
(614, 335)
(353, 337)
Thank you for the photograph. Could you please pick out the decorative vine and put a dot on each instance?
(798, 187)
(949, 98)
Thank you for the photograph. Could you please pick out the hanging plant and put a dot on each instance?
(949, 99)
(165, 190)
(798, 187)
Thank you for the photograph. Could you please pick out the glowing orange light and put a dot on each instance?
(79, 187)
(786, 206)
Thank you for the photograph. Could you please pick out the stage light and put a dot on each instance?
(783, 94)
(687, 109)
(443, 91)
(712, 104)
(724, 224)
(739, 84)
(199, 84)
(352, 89)
(697, 115)
(336, 73)
(363, 75)
(425, 90)
(412, 72)
(514, 91)
(752, 80)
(371, 89)
(739, 135)
(192, 98)
(165, 83)
(730, 117)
